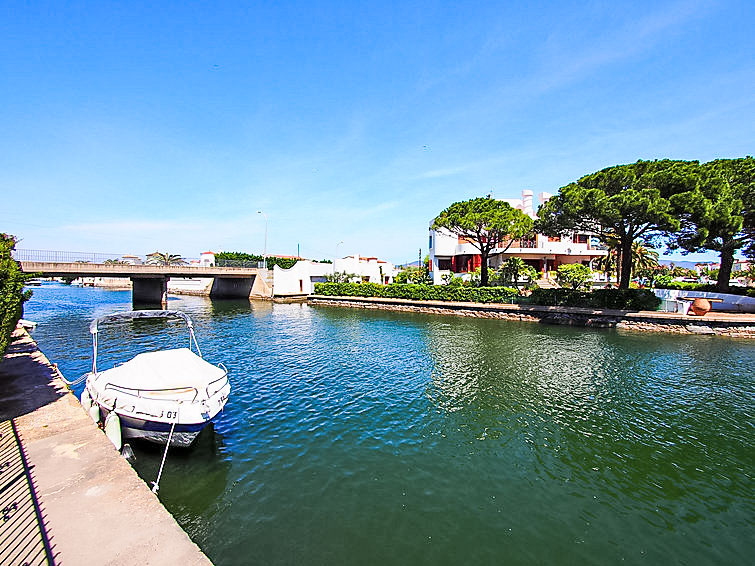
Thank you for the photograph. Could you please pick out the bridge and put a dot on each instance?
(150, 282)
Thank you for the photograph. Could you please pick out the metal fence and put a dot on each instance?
(63, 257)
(56, 256)
(239, 263)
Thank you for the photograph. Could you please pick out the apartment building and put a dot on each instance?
(451, 254)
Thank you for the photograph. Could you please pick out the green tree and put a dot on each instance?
(620, 204)
(749, 274)
(165, 258)
(486, 223)
(574, 275)
(341, 277)
(414, 275)
(717, 213)
(450, 280)
(12, 294)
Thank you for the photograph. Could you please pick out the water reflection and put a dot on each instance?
(186, 491)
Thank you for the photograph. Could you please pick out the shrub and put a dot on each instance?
(419, 292)
(574, 275)
(232, 259)
(514, 271)
(622, 299)
(12, 294)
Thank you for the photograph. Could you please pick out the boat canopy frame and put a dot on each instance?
(136, 315)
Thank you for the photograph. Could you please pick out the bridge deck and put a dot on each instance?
(59, 269)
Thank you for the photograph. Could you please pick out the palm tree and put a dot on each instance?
(607, 263)
(165, 258)
(643, 258)
(515, 269)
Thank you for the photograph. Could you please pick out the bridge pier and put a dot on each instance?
(149, 291)
(231, 287)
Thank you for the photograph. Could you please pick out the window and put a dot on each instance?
(444, 264)
(431, 242)
(580, 238)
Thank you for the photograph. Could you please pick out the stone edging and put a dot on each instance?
(721, 324)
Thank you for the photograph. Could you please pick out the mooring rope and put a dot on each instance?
(66, 381)
(156, 483)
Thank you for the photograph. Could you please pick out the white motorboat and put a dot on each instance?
(164, 396)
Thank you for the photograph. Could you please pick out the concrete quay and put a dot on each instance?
(67, 496)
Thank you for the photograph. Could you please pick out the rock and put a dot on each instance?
(696, 329)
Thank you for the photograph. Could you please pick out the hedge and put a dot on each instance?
(622, 299)
(243, 259)
(706, 287)
(419, 292)
(12, 295)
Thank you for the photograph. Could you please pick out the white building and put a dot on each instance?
(451, 254)
(132, 259)
(207, 259)
(368, 269)
(299, 279)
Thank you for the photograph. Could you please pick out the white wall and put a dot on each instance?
(729, 302)
(299, 279)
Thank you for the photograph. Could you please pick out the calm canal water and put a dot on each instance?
(357, 437)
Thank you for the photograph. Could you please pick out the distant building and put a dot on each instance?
(207, 259)
(706, 265)
(451, 254)
(740, 265)
(369, 269)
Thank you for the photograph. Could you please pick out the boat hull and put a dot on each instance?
(184, 434)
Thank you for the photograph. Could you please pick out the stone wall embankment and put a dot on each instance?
(720, 324)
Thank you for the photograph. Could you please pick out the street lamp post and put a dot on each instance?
(264, 250)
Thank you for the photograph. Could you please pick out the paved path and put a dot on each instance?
(69, 497)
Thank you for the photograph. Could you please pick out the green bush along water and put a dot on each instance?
(419, 292)
(12, 294)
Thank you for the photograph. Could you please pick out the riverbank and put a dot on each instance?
(75, 498)
(721, 324)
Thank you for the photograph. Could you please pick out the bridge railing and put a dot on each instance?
(56, 256)
(63, 257)
(239, 263)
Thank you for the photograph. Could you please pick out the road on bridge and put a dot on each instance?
(61, 269)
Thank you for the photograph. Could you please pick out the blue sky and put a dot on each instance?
(134, 127)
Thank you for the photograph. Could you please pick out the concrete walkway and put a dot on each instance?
(68, 497)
